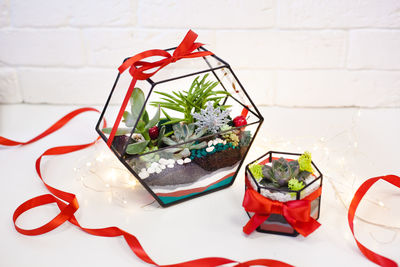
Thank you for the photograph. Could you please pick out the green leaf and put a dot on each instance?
(137, 101)
(173, 121)
(169, 133)
(160, 136)
(166, 114)
(199, 146)
(168, 96)
(140, 127)
(120, 131)
(169, 106)
(136, 148)
(168, 141)
(145, 117)
(225, 106)
(129, 120)
(154, 120)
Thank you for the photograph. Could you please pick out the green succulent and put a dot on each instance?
(245, 138)
(137, 100)
(284, 173)
(184, 133)
(190, 101)
(230, 136)
(280, 172)
(151, 157)
(305, 162)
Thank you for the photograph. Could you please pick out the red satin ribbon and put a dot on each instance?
(68, 205)
(137, 68)
(358, 196)
(296, 212)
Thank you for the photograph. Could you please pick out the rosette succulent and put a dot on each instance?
(284, 173)
(182, 134)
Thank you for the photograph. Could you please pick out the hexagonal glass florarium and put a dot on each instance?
(186, 130)
(282, 177)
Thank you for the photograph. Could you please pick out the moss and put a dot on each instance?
(256, 171)
(305, 162)
(295, 184)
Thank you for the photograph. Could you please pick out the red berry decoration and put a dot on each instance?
(153, 132)
(239, 121)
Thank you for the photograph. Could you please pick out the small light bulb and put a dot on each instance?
(132, 183)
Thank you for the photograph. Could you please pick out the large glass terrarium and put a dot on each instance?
(186, 130)
(266, 176)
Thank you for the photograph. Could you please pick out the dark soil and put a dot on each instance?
(179, 174)
(120, 141)
(221, 159)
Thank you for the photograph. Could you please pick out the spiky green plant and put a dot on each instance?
(191, 101)
(184, 133)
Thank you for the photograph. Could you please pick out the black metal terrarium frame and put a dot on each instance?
(153, 84)
(270, 155)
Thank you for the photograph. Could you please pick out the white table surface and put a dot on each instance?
(349, 146)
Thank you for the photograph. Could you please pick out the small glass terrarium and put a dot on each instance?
(283, 177)
(186, 130)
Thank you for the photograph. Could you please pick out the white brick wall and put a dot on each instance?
(286, 52)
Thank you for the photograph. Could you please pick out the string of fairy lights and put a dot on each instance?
(99, 170)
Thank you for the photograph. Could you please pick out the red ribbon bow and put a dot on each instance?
(137, 68)
(296, 212)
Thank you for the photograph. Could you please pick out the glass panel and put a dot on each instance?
(130, 118)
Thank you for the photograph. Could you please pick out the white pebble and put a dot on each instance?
(163, 161)
(170, 165)
(215, 142)
(179, 161)
(209, 149)
(155, 165)
(210, 143)
(151, 170)
(162, 167)
(171, 162)
(158, 170)
(143, 174)
(143, 170)
(187, 160)
(219, 140)
(224, 142)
